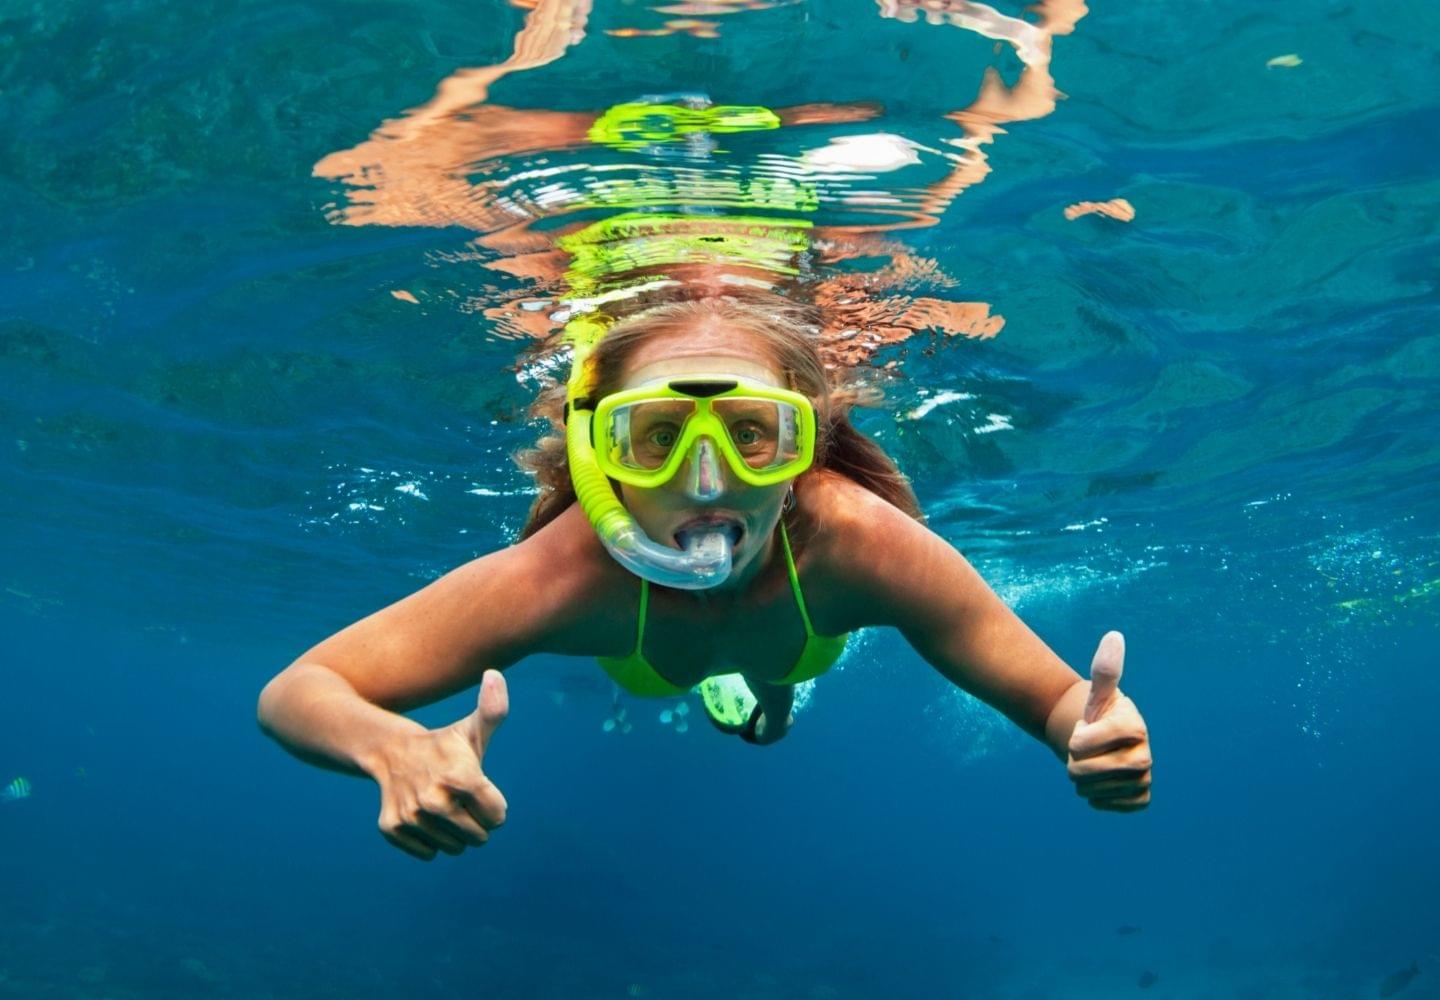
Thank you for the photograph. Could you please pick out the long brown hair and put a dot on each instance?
(786, 334)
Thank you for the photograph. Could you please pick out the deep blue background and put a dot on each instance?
(1223, 442)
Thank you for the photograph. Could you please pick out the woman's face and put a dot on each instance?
(677, 505)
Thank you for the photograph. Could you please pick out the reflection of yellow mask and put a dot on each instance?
(637, 125)
(626, 243)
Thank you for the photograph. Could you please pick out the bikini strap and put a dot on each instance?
(640, 618)
(795, 579)
(794, 588)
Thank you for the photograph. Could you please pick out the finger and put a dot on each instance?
(1111, 733)
(437, 830)
(1122, 805)
(1114, 788)
(411, 846)
(409, 843)
(1119, 763)
(1128, 792)
(1122, 761)
(1105, 671)
(485, 806)
(451, 816)
(493, 706)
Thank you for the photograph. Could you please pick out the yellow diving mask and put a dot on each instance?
(643, 436)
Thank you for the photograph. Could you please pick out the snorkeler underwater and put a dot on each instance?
(706, 414)
(704, 440)
(718, 498)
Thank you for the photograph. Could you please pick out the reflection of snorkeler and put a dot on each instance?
(419, 169)
(445, 163)
(774, 527)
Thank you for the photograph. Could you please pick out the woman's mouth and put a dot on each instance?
(732, 526)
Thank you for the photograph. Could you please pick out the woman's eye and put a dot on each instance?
(747, 435)
(662, 437)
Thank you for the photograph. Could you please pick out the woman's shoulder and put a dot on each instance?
(827, 493)
(567, 545)
(854, 551)
(844, 516)
(566, 556)
(569, 585)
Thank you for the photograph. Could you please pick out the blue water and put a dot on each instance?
(1213, 427)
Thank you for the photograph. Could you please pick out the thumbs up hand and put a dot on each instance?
(1109, 749)
(434, 796)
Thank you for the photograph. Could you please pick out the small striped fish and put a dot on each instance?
(16, 790)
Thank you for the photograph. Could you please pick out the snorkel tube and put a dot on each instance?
(705, 560)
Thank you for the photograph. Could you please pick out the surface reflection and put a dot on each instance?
(680, 194)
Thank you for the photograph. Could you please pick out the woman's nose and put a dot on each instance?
(704, 473)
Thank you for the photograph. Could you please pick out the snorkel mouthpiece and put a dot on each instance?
(705, 560)
(703, 563)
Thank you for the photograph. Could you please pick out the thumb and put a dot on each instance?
(1105, 671)
(493, 705)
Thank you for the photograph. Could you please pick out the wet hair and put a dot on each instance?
(786, 334)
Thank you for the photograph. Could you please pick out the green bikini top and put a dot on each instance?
(635, 674)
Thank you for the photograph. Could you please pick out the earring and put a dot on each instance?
(789, 503)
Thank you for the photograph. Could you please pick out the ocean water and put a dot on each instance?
(279, 281)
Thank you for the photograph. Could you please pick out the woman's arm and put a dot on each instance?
(337, 704)
(895, 571)
(905, 575)
(315, 713)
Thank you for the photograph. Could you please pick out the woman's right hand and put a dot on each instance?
(433, 794)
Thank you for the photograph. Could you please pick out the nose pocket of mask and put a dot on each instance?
(705, 479)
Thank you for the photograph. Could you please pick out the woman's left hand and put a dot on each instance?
(1109, 748)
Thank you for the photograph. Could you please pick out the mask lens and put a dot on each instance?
(642, 435)
(764, 432)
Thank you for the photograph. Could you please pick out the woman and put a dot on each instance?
(731, 451)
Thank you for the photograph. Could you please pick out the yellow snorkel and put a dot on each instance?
(649, 233)
(703, 563)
